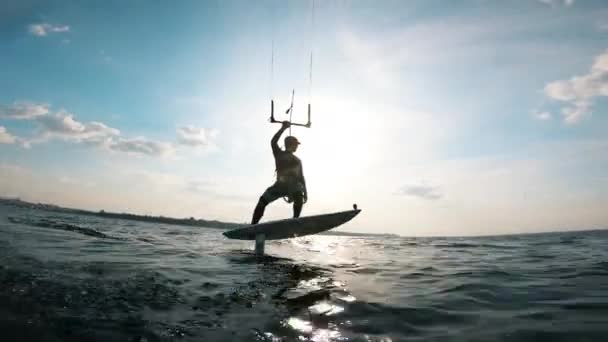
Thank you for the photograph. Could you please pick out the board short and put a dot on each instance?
(291, 190)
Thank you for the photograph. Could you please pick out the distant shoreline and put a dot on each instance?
(124, 216)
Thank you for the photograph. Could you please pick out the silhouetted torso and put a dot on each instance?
(288, 166)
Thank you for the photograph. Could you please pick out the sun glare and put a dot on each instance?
(341, 144)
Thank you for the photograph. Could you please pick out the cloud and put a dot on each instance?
(6, 137)
(63, 125)
(576, 112)
(194, 136)
(23, 110)
(558, 2)
(43, 29)
(141, 145)
(579, 91)
(421, 190)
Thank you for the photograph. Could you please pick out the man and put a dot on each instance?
(290, 181)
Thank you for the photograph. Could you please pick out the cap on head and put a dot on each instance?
(291, 140)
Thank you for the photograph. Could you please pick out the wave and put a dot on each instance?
(602, 265)
(405, 321)
(45, 223)
(472, 287)
(471, 245)
(409, 244)
(366, 270)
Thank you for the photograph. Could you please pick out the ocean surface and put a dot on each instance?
(79, 278)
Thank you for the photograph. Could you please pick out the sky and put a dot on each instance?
(474, 117)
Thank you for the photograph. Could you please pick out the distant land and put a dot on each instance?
(191, 221)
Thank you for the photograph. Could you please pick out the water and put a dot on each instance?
(79, 278)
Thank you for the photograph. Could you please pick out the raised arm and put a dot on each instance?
(274, 142)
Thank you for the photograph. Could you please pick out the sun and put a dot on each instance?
(341, 145)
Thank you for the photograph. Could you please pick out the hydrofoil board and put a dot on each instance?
(294, 227)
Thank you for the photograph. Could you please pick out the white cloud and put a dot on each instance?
(43, 29)
(579, 91)
(421, 190)
(23, 110)
(576, 112)
(6, 137)
(141, 145)
(194, 136)
(63, 125)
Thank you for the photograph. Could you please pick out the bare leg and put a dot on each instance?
(259, 211)
(298, 203)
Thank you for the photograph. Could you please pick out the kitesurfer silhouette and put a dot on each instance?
(290, 182)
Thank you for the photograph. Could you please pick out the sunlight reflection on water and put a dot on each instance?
(312, 284)
(313, 334)
(347, 298)
(299, 325)
(325, 308)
